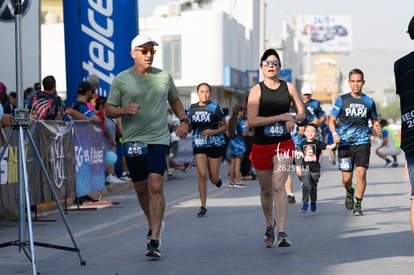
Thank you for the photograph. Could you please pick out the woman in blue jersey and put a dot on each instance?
(208, 125)
(273, 148)
(353, 111)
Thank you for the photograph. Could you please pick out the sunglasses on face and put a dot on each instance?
(266, 63)
(145, 51)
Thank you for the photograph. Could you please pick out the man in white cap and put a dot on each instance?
(404, 82)
(139, 95)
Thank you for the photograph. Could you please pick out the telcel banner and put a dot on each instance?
(98, 38)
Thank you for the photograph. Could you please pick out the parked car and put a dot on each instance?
(340, 30)
(322, 34)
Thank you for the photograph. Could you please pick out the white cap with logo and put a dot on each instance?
(140, 40)
(307, 90)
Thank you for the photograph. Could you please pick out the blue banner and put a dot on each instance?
(98, 38)
(89, 151)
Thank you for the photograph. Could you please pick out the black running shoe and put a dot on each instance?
(349, 199)
(270, 235)
(219, 183)
(202, 212)
(152, 249)
(291, 198)
(149, 233)
(282, 240)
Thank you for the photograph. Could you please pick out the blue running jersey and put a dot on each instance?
(353, 115)
(206, 117)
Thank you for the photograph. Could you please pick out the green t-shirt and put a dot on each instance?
(151, 92)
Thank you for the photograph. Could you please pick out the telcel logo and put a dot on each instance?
(7, 9)
(100, 46)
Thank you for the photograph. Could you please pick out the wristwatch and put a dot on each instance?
(185, 120)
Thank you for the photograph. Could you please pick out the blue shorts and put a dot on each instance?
(410, 165)
(154, 162)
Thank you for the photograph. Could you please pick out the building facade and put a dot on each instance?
(213, 41)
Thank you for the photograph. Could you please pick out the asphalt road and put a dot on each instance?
(230, 239)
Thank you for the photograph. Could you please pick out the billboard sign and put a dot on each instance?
(325, 33)
(98, 38)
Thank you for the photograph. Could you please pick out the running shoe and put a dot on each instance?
(149, 233)
(218, 184)
(282, 240)
(161, 231)
(202, 212)
(388, 163)
(349, 199)
(230, 185)
(125, 176)
(187, 166)
(270, 235)
(357, 210)
(153, 249)
(239, 185)
(113, 179)
(313, 206)
(291, 198)
(304, 208)
(170, 174)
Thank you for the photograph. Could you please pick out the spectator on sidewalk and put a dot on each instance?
(4, 99)
(94, 81)
(84, 94)
(47, 104)
(390, 145)
(109, 139)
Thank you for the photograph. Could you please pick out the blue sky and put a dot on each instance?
(379, 24)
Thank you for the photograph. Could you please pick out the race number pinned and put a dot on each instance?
(135, 149)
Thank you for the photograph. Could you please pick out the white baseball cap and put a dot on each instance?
(140, 40)
(307, 90)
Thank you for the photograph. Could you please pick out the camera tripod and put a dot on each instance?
(20, 126)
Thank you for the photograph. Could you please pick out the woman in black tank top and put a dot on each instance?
(268, 111)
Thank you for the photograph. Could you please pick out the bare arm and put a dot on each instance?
(331, 146)
(253, 118)
(297, 103)
(221, 129)
(178, 109)
(78, 116)
(6, 120)
(112, 111)
(331, 125)
(377, 127)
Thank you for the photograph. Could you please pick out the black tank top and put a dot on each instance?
(273, 102)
